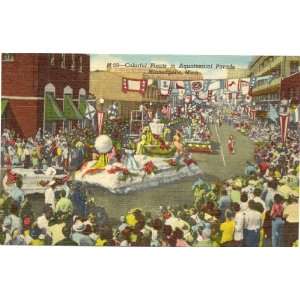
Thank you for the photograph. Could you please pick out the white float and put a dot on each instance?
(165, 173)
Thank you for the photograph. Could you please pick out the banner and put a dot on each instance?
(179, 84)
(214, 85)
(164, 86)
(134, 85)
(100, 116)
(244, 86)
(232, 85)
(284, 119)
(187, 88)
(197, 85)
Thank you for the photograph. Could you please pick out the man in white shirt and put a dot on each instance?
(291, 226)
(253, 224)
(257, 199)
(239, 220)
(50, 195)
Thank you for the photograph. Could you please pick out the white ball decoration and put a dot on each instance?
(103, 143)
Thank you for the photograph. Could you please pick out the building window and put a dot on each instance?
(73, 65)
(63, 61)
(80, 64)
(8, 57)
(294, 67)
(52, 59)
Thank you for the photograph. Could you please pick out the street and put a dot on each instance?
(180, 192)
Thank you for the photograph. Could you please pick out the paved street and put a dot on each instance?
(179, 193)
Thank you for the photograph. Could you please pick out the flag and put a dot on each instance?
(206, 84)
(284, 119)
(100, 116)
(164, 86)
(272, 114)
(222, 84)
(244, 84)
(187, 88)
(232, 85)
(90, 112)
(197, 85)
(179, 85)
(214, 85)
(134, 85)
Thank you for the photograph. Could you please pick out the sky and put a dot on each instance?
(99, 61)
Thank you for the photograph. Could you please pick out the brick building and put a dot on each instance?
(43, 91)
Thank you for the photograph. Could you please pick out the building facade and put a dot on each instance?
(279, 67)
(107, 84)
(46, 91)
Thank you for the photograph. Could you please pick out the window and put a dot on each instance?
(73, 65)
(8, 57)
(63, 61)
(52, 59)
(80, 64)
(294, 67)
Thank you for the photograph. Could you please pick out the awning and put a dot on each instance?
(52, 111)
(3, 105)
(70, 110)
(82, 106)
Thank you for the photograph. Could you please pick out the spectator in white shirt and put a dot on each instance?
(253, 223)
(239, 220)
(257, 199)
(50, 195)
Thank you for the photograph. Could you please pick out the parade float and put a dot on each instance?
(34, 180)
(197, 138)
(152, 163)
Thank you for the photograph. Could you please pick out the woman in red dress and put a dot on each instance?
(230, 145)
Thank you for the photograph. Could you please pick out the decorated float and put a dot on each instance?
(34, 180)
(197, 138)
(152, 163)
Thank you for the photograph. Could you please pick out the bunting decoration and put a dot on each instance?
(100, 117)
(284, 119)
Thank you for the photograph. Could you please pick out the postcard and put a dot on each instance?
(149, 150)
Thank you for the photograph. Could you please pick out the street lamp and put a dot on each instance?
(100, 104)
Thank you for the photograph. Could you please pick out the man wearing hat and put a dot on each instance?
(78, 235)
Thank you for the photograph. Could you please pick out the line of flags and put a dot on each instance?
(208, 88)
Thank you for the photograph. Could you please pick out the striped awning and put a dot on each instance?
(52, 111)
(70, 110)
(4, 103)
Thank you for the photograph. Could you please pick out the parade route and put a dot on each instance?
(215, 167)
(180, 192)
